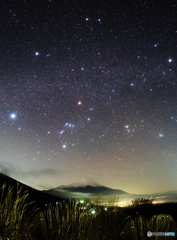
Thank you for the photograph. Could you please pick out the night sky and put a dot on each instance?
(88, 89)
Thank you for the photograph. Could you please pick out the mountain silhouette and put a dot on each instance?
(40, 197)
(87, 185)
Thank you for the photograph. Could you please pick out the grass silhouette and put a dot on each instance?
(16, 221)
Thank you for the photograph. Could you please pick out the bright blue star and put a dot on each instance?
(160, 135)
(88, 119)
(99, 19)
(138, 56)
(155, 45)
(64, 146)
(13, 115)
(36, 53)
(170, 60)
(82, 69)
(132, 84)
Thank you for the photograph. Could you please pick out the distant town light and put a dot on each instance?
(93, 212)
(81, 201)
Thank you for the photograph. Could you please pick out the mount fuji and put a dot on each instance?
(85, 187)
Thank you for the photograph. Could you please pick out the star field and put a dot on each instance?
(89, 90)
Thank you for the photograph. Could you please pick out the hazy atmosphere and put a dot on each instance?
(88, 90)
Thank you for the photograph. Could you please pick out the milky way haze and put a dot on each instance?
(89, 90)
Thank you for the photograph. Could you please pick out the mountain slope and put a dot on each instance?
(40, 197)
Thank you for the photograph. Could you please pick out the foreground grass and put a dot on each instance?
(16, 221)
(72, 222)
(20, 219)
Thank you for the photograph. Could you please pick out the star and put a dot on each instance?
(79, 103)
(64, 146)
(170, 60)
(13, 116)
(160, 135)
(132, 84)
(69, 125)
(37, 53)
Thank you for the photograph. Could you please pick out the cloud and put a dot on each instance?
(6, 169)
(40, 179)
(43, 172)
(14, 171)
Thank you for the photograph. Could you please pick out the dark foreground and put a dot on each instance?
(25, 220)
